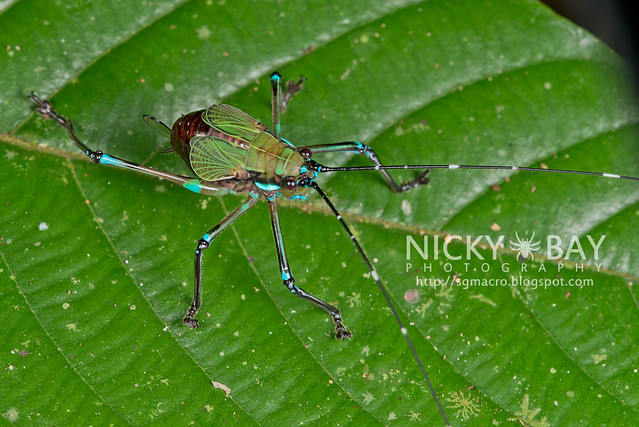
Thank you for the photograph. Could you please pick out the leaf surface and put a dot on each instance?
(97, 269)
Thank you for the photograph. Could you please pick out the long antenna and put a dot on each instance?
(374, 275)
(321, 168)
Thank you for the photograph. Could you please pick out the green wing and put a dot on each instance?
(232, 121)
(214, 159)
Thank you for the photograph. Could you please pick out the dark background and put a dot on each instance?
(614, 22)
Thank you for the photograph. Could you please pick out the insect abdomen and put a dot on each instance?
(185, 128)
(190, 125)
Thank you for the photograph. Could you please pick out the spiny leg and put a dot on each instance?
(359, 148)
(205, 242)
(46, 109)
(375, 277)
(289, 281)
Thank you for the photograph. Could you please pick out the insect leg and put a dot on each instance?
(359, 148)
(289, 281)
(196, 185)
(205, 242)
(292, 88)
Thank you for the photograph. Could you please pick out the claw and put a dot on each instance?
(46, 109)
(341, 333)
(291, 89)
(191, 322)
(421, 180)
(190, 319)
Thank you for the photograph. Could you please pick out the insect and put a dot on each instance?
(229, 151)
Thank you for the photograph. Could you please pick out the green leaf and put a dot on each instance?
(96, 270)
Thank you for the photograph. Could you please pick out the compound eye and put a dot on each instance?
(289, 183)
(306, 153)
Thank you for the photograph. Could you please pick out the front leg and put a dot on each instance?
(359, 148)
